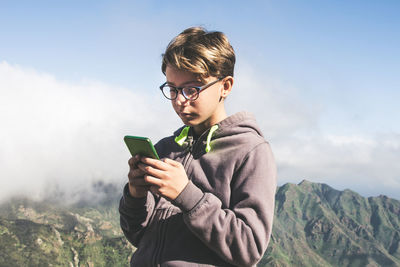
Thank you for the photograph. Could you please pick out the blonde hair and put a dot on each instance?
(201, 52)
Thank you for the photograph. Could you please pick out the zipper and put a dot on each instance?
(163, 225)
(161, 230)
(189, 150)
(193, 144)
(157, 247)
(164, 232)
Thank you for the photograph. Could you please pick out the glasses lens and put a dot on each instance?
(169, 92)
(190, 92)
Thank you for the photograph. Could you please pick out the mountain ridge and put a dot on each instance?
(314, 225)
(321, 220)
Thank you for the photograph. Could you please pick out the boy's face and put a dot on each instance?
(208, 109)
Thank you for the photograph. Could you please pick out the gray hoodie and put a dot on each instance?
(223, 217)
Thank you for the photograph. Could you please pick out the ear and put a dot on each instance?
(227, 86)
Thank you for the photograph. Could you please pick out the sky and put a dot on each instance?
(321, 77)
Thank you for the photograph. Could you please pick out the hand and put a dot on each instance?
(167, 177)
(138, 187)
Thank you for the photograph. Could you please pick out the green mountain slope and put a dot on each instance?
(51, 234)
(315, 225)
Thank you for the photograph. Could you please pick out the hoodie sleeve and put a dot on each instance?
(135, 215)
(240, 234)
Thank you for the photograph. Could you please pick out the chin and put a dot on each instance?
(190, 123)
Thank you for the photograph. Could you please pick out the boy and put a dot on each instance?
(210, 200)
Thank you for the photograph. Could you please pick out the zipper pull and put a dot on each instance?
(189, 144)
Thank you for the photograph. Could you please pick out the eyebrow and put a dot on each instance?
(184, 84)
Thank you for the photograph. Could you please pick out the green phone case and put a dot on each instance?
(140, 145)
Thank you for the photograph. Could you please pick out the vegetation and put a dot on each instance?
(315, 225)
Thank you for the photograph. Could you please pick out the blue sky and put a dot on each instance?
(322, 78)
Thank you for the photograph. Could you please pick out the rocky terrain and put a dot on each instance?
(315, 225)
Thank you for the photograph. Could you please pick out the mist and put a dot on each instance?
(61, 139)
(293, 124)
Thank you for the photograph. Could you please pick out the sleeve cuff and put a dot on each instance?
(189, 197)
(133, 202)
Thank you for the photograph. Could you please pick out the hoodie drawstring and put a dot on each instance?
(210, 133)
(181, 138)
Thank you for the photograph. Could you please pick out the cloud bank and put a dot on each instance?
(59, 138)
(365, 163)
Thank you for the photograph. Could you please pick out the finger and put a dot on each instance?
(139, 182)
(136, 174)
(152, 171)
(155, 163)
(141, 187)
(153, 180)
(134, 160)
(171, 162)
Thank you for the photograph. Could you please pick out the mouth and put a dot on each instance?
(186, 115)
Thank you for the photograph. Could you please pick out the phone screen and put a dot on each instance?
(140, 145)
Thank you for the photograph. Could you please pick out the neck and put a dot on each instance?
(216, 118)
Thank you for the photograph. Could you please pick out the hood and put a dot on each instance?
(241, 122)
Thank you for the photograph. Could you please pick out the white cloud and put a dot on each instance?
(66, 136)
(303, 150)
(58, 135)
(367, 165)
(278, 107)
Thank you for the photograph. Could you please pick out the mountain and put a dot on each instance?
(315, 225)
(53, 234)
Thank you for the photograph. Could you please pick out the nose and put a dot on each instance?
(180, 99)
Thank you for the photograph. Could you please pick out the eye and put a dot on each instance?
(190, 91)
(172, 91)
(169, 92)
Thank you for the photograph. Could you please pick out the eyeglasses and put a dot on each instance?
(189, 92)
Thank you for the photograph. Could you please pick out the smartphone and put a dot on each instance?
(140, 145)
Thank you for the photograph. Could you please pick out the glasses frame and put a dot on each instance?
(180, 89)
